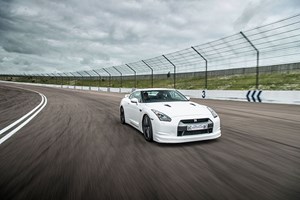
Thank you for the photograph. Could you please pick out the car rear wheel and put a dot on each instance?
(147, 128)
(122, 115)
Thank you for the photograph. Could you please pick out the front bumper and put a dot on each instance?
(169, 132)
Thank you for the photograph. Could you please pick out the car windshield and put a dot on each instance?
(151, 96)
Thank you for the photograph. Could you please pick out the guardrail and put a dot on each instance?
(255, 96)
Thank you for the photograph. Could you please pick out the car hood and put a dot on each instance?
(180, 108)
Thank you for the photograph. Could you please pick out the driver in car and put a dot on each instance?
(145, 96)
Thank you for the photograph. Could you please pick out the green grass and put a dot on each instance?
(273, 81)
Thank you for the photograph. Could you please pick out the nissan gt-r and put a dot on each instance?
(167, 116)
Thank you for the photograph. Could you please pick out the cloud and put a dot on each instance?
(259, 12)
(57, 36)
(20, 61)
(23, 47)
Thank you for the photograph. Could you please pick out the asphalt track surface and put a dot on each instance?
(76, 148)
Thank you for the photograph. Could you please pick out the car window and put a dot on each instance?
(136, 95)
(176, 96)
(162, 96)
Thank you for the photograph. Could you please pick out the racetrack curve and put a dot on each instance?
(76, 148)
(14, 103)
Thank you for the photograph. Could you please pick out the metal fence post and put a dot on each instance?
(109, 79)
(55, 78)
(74, 80)
(90, 79)
(25, 76)
(174, 70)
(205, 65)
(42, 78)
(119, 73)
(38, 78)
(50, 76)
(151, 72)
(257, 59)
(34, 77)
(98, 78)
(134, 74)
(68, 78)
(62, 80)
(81, 80)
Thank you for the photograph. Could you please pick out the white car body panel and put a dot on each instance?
(178, 109)
(167, 132)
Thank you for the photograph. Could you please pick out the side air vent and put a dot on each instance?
(167, 105)
(193, 104)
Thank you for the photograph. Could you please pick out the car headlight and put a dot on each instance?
(214, 114)
(161, 116)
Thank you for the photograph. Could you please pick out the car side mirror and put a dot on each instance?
(188, 98)
(134, 100)
(126, 95)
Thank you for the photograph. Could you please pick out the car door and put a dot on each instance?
(134, 109)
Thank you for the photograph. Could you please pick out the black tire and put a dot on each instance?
(147, 128)
(122, 115)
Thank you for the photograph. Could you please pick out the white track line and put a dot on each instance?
(8, 135)
(19, 120)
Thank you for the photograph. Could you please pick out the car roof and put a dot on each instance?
(150, 89)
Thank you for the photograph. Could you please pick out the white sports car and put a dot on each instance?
(167, 116)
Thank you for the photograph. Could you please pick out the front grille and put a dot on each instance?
(182, 129)
(189, 121)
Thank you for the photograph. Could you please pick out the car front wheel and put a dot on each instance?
(147, 128)
(122, 115)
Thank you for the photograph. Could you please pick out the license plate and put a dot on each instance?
(195, 127)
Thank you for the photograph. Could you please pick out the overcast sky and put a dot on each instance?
(44, 36)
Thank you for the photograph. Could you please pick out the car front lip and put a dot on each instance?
(165, 138)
